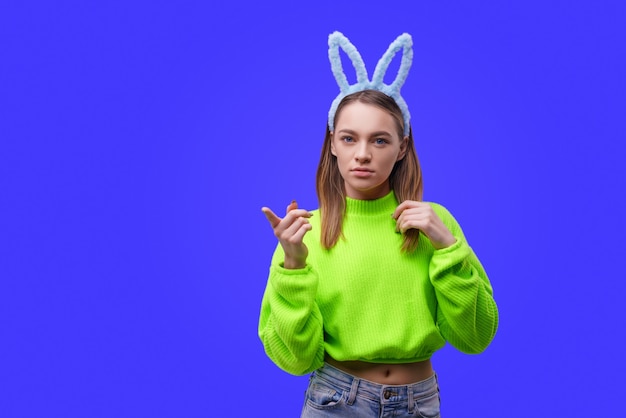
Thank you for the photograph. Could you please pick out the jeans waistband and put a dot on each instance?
(377, 391)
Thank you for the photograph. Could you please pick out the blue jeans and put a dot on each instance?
(334, 393)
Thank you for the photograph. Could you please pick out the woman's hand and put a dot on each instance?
(419, 215)
(290, 232)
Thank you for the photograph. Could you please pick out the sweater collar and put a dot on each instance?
(386, 204)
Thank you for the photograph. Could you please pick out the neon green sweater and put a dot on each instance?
(366, 300)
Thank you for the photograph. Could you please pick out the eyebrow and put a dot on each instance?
(377, 133)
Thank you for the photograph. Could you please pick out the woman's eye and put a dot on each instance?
(380, 141)
(347, 139)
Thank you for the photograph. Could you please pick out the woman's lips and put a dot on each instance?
(362, 172)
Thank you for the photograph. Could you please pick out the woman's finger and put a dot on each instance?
(293, 205)
(271, 217)
(299, 235)
(290, 223)
(291, 232)
(407, 204)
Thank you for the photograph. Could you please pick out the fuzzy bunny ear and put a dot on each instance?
(336, 40)
(404, 42)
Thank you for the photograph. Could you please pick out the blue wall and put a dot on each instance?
(139, 141)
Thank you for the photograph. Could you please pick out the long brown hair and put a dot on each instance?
(405, 178)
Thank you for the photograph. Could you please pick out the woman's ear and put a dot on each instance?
(332, 144)
(404, 145)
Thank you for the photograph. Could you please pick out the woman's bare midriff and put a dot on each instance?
(386, 374)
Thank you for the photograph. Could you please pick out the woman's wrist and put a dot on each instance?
(291, 264)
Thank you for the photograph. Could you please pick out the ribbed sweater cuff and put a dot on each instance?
(296, 285)
(449, 257)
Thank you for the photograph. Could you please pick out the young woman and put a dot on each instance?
(362, 291)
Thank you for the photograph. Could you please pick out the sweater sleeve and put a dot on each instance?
(290, 323)
(467, 314)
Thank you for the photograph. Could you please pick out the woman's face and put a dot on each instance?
(367, 146)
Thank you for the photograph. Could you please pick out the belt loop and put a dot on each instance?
(353, 389)
(411, 401)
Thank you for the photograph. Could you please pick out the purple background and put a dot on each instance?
(139, 141)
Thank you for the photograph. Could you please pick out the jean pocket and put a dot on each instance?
(323, 397)
(428, 406)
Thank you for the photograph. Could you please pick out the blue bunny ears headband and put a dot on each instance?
(403, 42)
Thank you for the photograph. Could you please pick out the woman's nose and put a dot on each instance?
(363, 152)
